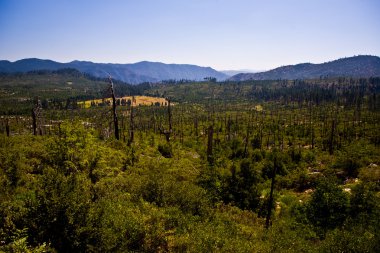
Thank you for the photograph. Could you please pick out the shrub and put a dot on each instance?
(165, 150)
(328, 206)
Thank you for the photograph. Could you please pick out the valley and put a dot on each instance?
(253, 166)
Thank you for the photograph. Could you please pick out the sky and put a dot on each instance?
(222, 34)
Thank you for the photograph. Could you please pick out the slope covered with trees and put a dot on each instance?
(258, 166)
(57, 89)
(356, 66)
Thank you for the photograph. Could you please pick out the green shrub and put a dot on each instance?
(165, 150)
(328, 206)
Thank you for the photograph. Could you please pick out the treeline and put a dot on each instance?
(343, 91)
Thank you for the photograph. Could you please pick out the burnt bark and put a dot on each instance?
(115, 120)
(7, 127)
(131, 125)
(270, 202)
(167, 133)
(209, 143)
(35, 113)
(331, 140)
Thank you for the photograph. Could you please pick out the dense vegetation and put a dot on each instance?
(60, 89)
(259, 166)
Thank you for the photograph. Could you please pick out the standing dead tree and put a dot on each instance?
(35, 114)
(165, 132)
(7, 126)
(131, 123)
(210, 135)
(115, 120)
(270, 202)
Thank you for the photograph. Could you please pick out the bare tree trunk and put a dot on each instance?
(331, 141)
(181, 125)
(229, 123)
(35, 114)
(167, 133)
(270, 202)
(209, 143)
(7, 127)
(34, 123)
(196, 126)
(170, 115)
(115, 120)
(131, 124)
(247, 137)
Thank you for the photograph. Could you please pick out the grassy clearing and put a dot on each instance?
(138, 100)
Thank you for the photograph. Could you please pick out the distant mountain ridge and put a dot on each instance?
(235, 72)
(133, 73)
(356, 66)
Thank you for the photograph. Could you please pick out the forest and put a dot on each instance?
(253, 166)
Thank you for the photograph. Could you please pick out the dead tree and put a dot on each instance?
(165, 132)
(331, 139)
(131, 124)
(7, 126)
(170, 115)
(196, 125)
(270, 202)
(35, 114)
(209, 143)
(115, 120)
(247, 136)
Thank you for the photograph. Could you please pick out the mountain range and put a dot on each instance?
(235, 72)
(130, 73)
(356, 66)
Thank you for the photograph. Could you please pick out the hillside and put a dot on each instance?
(260, 166)
(17, 91)
(357, 66)
(131, 73)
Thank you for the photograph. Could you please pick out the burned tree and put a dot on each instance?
(270, 202)
(131, 123)
(35, 114)
(115, 120)
(7, 126)
(210, 136)
(165, 132)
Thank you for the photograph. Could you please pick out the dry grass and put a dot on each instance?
(139, 100)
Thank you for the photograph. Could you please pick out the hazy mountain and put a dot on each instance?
(357, 66)
(235, 72)
(130, 73)
(26, 65)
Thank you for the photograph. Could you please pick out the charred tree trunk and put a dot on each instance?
(131, 125)
(167, 133)
(35, 114)
(229, 123)
(196, 126)
(115, 120)
(247, 138)
(7, 127)
(181, 125)
(270, 202)
(209, 143)
(170, 116)
(311, 128)
(34, 123)
(331, 140)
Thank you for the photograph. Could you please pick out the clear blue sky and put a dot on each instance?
(223, 34)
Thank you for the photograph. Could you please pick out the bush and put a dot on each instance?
(328, 206)
(165, 150)
(241, 188)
